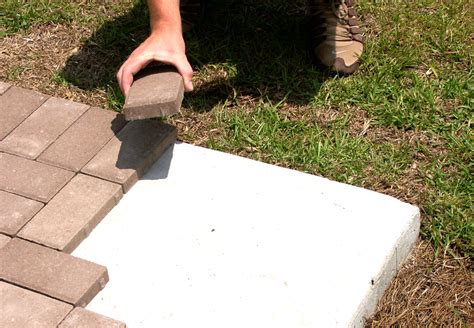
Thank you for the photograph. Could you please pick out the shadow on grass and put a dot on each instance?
(262, 45)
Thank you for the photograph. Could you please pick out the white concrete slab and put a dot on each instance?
(208, 239)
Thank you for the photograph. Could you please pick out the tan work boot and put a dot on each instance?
(338, 43)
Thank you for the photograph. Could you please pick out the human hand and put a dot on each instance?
(163, 45)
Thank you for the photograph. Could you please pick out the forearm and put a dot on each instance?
(165, 45)
(164, 14)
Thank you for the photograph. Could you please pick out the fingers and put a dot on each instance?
(165, 48)
(125, 74)
(133, 65)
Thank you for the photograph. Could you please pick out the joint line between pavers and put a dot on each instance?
(28, 221)
(22, 195)
(20, 123)
(8, 88)
(35, 291)
(39, 244)
(100, 149)
(59, 135)
(54, 164)
(122, 185)
(67, 315)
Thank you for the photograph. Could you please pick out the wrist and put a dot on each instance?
(165, 26)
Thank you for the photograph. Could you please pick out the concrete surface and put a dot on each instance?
(207, 239)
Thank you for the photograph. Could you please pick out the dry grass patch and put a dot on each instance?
(428, 292)
(34, 59)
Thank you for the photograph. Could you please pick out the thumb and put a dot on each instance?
(186, 71)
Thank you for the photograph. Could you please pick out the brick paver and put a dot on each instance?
(127, 156)
(72, 214)
(4, 239)
(47, 207)
(20, 308)
(155, 92)
(31, 179)
(42, 127)
(15, 211)
(50, 272)
(81, 318)
(83, 139)
(17, 104)
(4, 87)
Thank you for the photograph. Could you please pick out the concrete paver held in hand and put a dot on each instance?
(156, 92)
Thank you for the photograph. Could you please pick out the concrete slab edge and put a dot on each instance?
(392, 265)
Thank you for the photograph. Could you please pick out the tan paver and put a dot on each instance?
(156, 92)
(31, 179)
(72, 214)
(42, 127)
(15, 211)
(50, 272)
(81, 318)
(127, 156)
(4, 239)
(20, 308)
(17, 104)
(83, 139)
(4, 87)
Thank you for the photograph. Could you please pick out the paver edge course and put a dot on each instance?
(4, 87)
(69, 279)
(138, 162)
(90, 198)
(50, 155)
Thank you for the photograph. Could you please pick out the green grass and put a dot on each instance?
(17, 15)
(260, 97)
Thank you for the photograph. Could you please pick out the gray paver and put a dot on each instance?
(4, 87)
(83, 139)
(15, 211)
(156, 92)
(20, 308)
(81, 318)
(17, 104)
(42, 127)
(50, 272)
(72, 214)
(31, 179)
(3, 241)
(127, 156)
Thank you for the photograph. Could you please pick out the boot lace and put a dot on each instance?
(339, 13)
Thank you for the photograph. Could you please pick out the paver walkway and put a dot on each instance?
(63, 167)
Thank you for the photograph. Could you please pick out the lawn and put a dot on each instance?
(401, 125)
